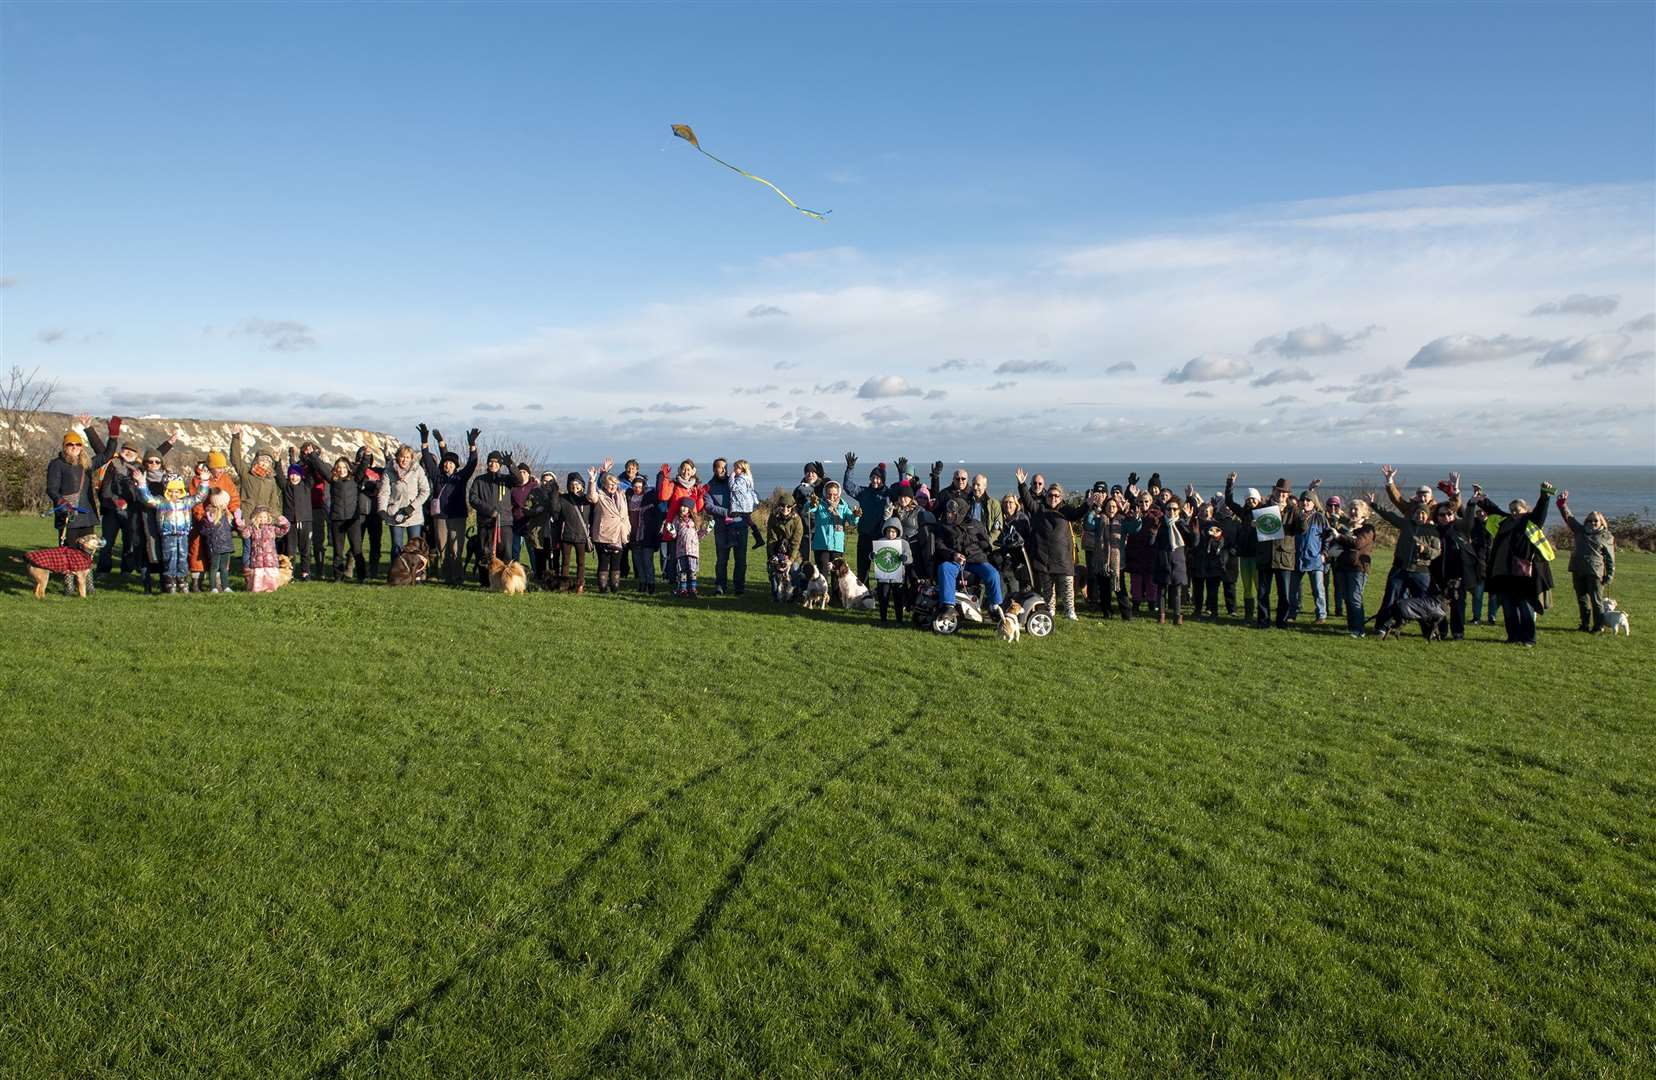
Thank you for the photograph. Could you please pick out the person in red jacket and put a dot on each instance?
(671, 492)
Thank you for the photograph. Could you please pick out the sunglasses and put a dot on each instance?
(153, 461)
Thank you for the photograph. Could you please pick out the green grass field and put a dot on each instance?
(354, 831)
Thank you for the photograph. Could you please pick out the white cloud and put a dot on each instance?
(1209, 369)
(1644, 324)
(885, 414)
(1283, 375)
(1377, 395)
(1594, 349)
(1319, 339)
(280, 335)
(1578, 304)
(884, 386)
(1456, 350)
(1028, 367)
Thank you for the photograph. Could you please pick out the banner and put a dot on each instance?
(1268, 523)
(888, 560)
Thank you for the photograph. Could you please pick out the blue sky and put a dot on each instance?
(376, 213)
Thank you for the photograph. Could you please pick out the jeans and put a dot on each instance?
(1520, 619)
(1478, 602)
(865, 553)
(1349, 585)
(1402, 583)
(1334, 593)
(644, 564)
(402, 534)
(1319, 598)
(731, 537)
(1266, 576)
(948, 576)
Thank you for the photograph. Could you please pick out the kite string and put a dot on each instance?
(767, 183)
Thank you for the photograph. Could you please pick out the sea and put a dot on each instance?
(1612, 489)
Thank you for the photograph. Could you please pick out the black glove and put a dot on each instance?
(850, 459)
(471, 436)
(439, 435)
(902, 467)
(425, 434)
(937, 468)
(506, 461)
(403, 515)
(1132, 478)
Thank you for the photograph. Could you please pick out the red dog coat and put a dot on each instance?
(60, 560)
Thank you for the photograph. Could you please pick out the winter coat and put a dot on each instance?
(404, 490)
(875, 501)
(173, 517)
(1354, 550)
(611, 524)
(743, 498)
(1205, 556)
(1139, 552)
(1051, 535)
(685, 538)
(648, 533)
(1418, 543)
(828, 525)
(917, 530)
(1516, 568)
(491, 494)
(969, 539)
(296, 501)
(1592, 551)
(345, 502)
(573, 521)
(716, 498)
(520, 496)
(670, 494)
(70, 487)
(1172, 544)
(784, 534)
(219, 537)
(1311, 543)
(257, 489)
(448, 493)
(260, 550)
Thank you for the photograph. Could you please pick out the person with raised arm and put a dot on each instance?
(1592, 563)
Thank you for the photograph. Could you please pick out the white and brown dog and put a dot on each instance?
(781, 577)
(73, 561)
(1615, 619)
(1011, 629)
(853, 594)
(816, 588)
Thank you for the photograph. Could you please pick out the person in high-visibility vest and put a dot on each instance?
(1519, 560)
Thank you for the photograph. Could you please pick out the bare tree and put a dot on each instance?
(23, 396)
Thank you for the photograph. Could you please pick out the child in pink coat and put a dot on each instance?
(260, 560)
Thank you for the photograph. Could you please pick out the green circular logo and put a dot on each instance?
(1268, 521)
(888, 560)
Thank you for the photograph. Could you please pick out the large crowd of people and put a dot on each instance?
(1121, 549)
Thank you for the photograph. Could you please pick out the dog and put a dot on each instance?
(1011, 627)
(816, 589)
(1615, 619)
(508, 578)
(782, 578)
(1431, 612)
(853, 594)
(73, 561)
(284, 570)
(409, 567)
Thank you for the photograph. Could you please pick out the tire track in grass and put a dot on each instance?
(510, 928)
(602, 1053)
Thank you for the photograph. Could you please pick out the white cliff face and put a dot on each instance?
(44, 435)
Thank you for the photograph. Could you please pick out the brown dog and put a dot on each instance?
(74, 561)
(507, 577)
(409, 567)
(284, 570)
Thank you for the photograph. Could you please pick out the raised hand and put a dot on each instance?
(1132, 478)
(1388, 472)
(1230, 478)
(1454, 481)
(1369, 497)
(177, 433)
(425, 434)
(850, 459)
(471, 436)
(439, 435)
(609, 463)
(902, 467)
(1020, 474)
(1316, 483)
(937, 468)
(83, 420)
(1190, 490)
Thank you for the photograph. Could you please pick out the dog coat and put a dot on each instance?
(60, 560)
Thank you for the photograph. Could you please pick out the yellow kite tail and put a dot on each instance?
(683, 131)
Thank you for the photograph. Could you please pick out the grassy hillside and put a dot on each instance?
(356, 831)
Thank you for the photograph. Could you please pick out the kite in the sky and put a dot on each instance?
(683, 131)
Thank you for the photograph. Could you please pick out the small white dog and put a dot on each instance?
(1616, 619)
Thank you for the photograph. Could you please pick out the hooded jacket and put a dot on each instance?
(401, 490)
(448, 493)
(574, 526)
(1513, 551)
(296, 499)
(874, 501)
(611, 523)
(784, 534)
(173, 517)
(1592, 551)
(670, 492)
(828, 525)
(1051, 533)
(967, 538)
(259, 553)
(345, 502)
(491, 494)
(256, 490)
(1172, 545)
